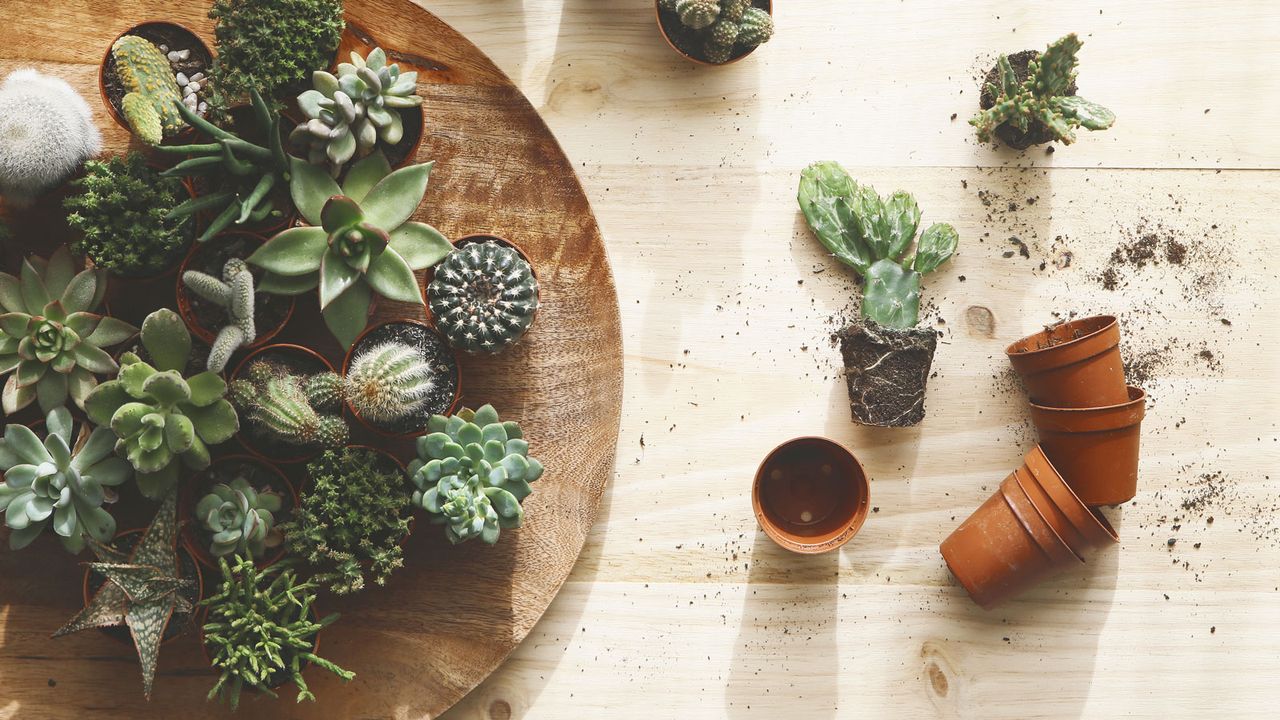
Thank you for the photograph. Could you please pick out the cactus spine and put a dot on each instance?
(233, 293)
(388, 382)
(150, 104)
(46, 133)
(484, 297)
(290, 408)
(716, 30)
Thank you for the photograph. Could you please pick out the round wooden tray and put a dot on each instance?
(452, 614)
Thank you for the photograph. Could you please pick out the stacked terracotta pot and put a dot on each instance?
(1044, 519)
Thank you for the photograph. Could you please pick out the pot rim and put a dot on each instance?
(1066, 530)
(657, 14)
(1095, 419)
(186, 132)
(190, 534)
(1100, 525)
(1103, 334)
(184, 301)
(242, 435)
(346, 364)
(1013, 494)
(849, 527)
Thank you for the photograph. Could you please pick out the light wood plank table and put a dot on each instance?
(679, 607)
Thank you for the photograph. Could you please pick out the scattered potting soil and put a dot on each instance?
(179, 624)
(269, 311)
(170, 36)
(1036, 133)
(886, 371)
(438, 354)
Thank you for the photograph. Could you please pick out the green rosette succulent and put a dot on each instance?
(61, 482)
(239, 519)
(472, 473)
(157, 414)
(360, 241)
(51, 340)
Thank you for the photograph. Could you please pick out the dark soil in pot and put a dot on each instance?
(438, 353)
(1037, 133)
(178, 624)
(690, 42)
(296, 363)
(173, 37)
(886, 370)
(270, 312)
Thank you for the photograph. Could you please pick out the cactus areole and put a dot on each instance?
(886, 356)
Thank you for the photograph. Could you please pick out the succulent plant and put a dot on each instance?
(261, 631)
(234, 294)
(360, 241)
(472, 473)
(158, 415)
(1044, 101)
(871, 235)
(240, 519)
(716, 30)
(294, 409)
(483, 297)
(144, 590)
(388, 382)
(351, 520)
(349, 113)
(251, 171)
(61, 482)
(151, 100)
(51, 340)
(46, 134)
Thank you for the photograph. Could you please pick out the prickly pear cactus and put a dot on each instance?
(484, 297)
(151, 100)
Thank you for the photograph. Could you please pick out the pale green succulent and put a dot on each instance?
(158, 415)
(234, 293)
(61, 482)
(240, 519)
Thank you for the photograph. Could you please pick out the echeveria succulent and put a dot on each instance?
(472, 473)
(158, 415)
(60, 482)
(240, 519)
(360, 241)
(51, 340)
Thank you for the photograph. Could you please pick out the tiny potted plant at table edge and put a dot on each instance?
(46, 134)
(886, 356)
(1030, 98)
(715, 32)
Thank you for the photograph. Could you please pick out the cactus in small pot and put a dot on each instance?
(715, 30)
(46, 134)
(240, 519)
(163, 420)
(1031, 98)
(472, 473)
(233, 292)
(51, 340)
(61, 482)
(887, 357)
(388, 382)
(293, 409)
(151, 100)
(483, 297)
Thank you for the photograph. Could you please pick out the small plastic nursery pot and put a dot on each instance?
(150, 31)
(446, 396)
(1095, 449)
(93, 583)
(662, 28)
(810, 495)
(1054, 545)
(1072, 365)
(497, 239)
(241, 245)
(193, 538)
(298, 358)
(1087, 523)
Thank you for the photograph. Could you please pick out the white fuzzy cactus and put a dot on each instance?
(46, 133)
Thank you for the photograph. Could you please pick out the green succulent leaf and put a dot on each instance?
(340, 212)
(167, 340)
(391, 277)
(825, 190)
(903, 216)
(365, 174)
(1089, 115)
(347, 315)
(310, 187)
(419, 244)
(296, 251)
(937, 243)
(395, 198)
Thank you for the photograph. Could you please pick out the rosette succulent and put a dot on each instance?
(61, 482)
(240, 519)
(51, 340)
(483, 297)
(158, 415)
(360, 241)
(472, 473)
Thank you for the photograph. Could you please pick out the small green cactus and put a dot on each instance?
(484, 296)
(297, 410)
(717, 30)
(698, 14)
(240, 519)
(234, 294)
(871, 235)
(388, 382)
(1044, 102)
(151, 100)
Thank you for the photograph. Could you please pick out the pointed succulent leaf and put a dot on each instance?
(391, 277)
(365, 174)
(347, 314)
(903, 216)
(310, 187)
(336, 276)
(340, 212)
(110, 331)
(395, 198)
(419, 244)
(296, 251)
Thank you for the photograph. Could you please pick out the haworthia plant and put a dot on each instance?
(873, 236)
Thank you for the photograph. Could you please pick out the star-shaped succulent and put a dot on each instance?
(143, 590)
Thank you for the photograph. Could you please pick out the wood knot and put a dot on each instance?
(980, 321)
(500, 710)
(938, 679)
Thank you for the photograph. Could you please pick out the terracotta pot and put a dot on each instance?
(1095, 449)
(265, 334)
(203, 49)
(1049, 540)
(1088, 522)
(486, 237)
(254, 446)
(121, 633)
(1050, 511)
(454, 405)
(810, 495)
(657, 12)
(1072, 365)
(193, 538)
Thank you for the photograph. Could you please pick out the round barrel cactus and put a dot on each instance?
(483, 297)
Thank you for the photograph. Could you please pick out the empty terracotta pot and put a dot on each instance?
(1091, 525)
(1072, 365)
(1033, 520)
(1052, 514)
(810, 495)
(1095, 449)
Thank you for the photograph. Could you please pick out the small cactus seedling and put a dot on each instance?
(388, 382)
(293, 409)
(716, 30)
(484, 296)
(150, 103)
(233, 293)
(1043, 105)
(46, 133)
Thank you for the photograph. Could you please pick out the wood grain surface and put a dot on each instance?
(451, 615)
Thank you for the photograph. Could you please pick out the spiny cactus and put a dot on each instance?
(472, 473)
(388, 381)
(1045, 101)
(483, 297)
(716, 30)
(151, 100)
(294, 409)
(349, 113)
(158, 415)
(240, 519)
(234, 294)
(871, 234)
(46, 133)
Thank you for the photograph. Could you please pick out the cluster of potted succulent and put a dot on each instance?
(247, 216)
